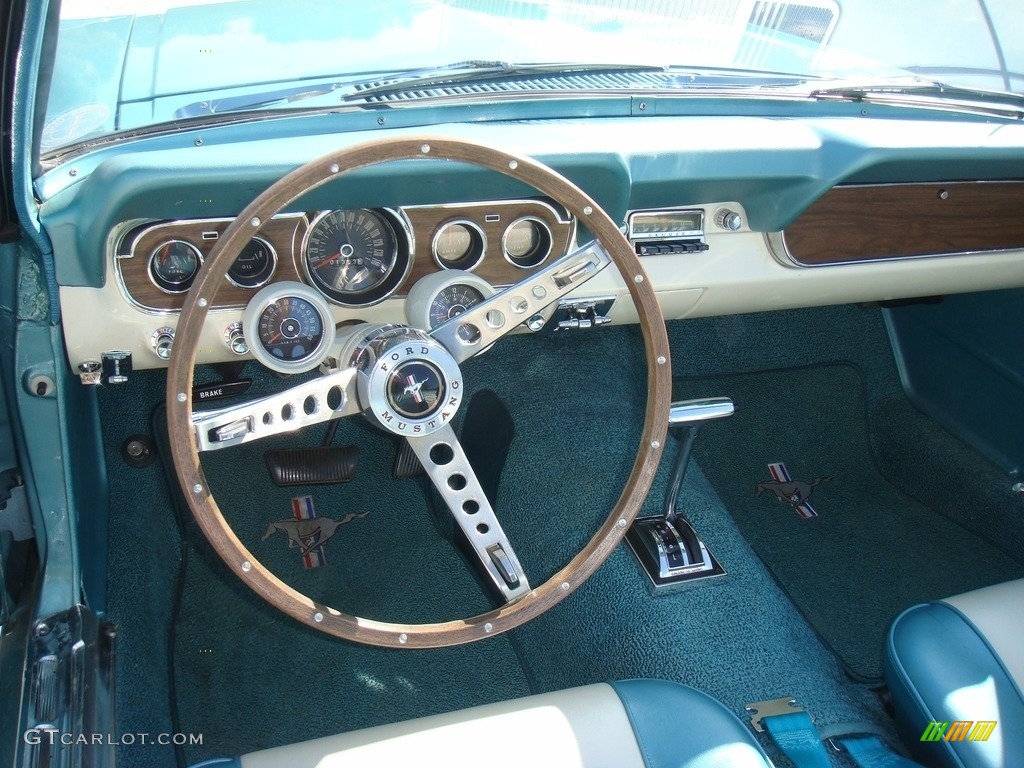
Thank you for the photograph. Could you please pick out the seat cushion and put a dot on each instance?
(630, 724)
(961, 660)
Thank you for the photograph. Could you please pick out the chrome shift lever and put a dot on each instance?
(687, 417)
(666, 545)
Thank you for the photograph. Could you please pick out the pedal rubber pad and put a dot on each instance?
(406, 463)
(323, 465)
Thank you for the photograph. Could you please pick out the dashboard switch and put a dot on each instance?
(575, 314)
(162, 341)
(90, 372)
(728, 219)
(116, 367)
(235, 339)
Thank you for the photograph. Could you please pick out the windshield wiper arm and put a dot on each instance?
(927, 94)
(254, 101)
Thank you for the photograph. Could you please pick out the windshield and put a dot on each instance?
(128, 64)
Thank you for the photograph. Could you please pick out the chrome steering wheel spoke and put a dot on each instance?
(449, 470)
(477, 328)
(331, 396)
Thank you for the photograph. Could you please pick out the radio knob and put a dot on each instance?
(162, 341)
(728, 219)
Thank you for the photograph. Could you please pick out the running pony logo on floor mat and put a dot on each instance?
(793, 492)
(309, 532)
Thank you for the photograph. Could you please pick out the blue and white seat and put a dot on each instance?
(959, 662)
(629, 724)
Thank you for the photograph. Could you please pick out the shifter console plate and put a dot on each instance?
(671, 555)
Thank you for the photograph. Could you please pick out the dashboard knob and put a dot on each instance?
(235, 339)
(163, 340)
(728, 219)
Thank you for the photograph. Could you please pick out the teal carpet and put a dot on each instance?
(285, 682)
(248, 676)
(872, 550)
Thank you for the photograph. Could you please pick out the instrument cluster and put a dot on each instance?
(354, 257)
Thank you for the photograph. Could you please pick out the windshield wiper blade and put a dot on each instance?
(928, 93)
(483, 71)
(300, 92)
(365, 88)
(677, 77)
(254, 101)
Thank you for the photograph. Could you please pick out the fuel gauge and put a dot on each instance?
(173, 265)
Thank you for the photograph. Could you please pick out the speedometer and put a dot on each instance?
(354, 257)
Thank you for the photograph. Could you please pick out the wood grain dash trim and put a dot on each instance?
(896, 221)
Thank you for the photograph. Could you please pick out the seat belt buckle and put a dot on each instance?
(769, 708)
(835, 743)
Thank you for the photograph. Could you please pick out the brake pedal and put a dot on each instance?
(323, 465)
(406, 463)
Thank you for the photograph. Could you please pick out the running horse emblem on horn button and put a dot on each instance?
(793, 492)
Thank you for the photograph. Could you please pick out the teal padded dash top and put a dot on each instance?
(679, 727)
(942, 669)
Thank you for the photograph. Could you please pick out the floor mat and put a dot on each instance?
(795, 469)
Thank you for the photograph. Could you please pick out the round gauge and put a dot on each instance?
(255, 265)
(354, 256)
(526, 242)
(289, 327)
(173, 265)
(459, 245)
(438, 297)
(452, 301)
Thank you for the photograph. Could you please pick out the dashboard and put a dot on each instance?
(729, 215)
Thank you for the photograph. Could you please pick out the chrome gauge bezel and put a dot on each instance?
(401, 260)
(271, 251)
(183, 286)
(478, 246)
(426, 290)
(270, 295)
(545, 252)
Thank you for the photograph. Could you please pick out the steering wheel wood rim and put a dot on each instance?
(182, 361)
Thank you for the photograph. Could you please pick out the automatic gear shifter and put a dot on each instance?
(666, 545)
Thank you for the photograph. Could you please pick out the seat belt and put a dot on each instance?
(793, 732)
(869, 751)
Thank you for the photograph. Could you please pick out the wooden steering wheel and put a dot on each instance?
(366, 382)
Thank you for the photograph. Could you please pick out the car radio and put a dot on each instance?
(654, 233)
